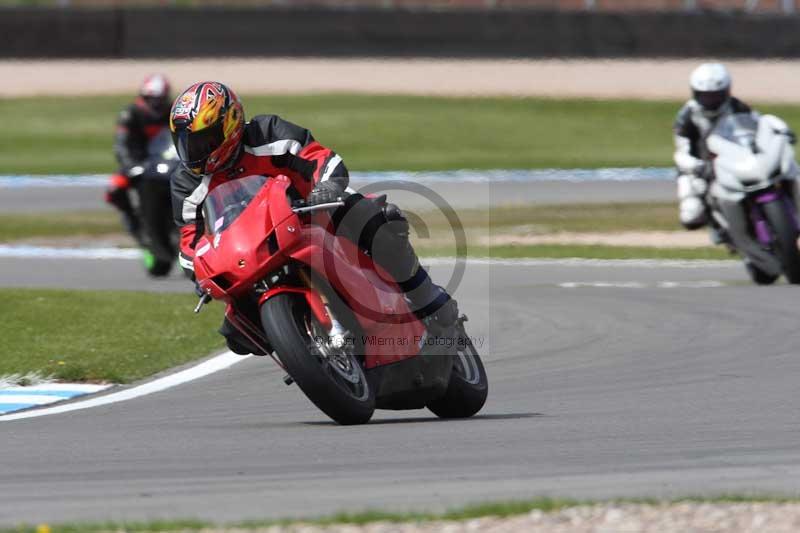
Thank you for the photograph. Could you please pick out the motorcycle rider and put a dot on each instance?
(711, 100)
(216, 145)
(137, 124)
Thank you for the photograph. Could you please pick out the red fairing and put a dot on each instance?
(267, 235)
(377, 302)
(313, 298)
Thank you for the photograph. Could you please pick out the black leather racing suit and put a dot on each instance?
(136, 126)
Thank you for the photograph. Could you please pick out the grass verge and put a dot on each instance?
(582, 251)
(58, 224)
(111, 336)
(513, 220)
(578, 217)
(380, 132)
(495, 509)
(540, 219)
(521, 220)
(603, 218)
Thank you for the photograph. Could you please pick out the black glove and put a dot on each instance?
(198, 291)
(135, 172)
(324, 193)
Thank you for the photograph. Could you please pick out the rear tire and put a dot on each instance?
(468, 387)
(785, 242)
(291, 329)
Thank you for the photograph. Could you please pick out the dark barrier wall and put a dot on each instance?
(175, 32)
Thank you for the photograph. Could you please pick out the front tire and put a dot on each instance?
(785, 235)
(758, 276)
(158, 268)
(333, 380)
(469, 385)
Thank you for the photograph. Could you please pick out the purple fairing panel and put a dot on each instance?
(767, 196)
(762, 229)
(760, 226)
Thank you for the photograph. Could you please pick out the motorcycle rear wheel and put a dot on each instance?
(785, 242)
(332, 378)
(466, 393)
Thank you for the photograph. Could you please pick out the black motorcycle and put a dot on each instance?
(159, 236)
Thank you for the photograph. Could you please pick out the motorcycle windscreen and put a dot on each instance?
(226, 202)
(161, 146)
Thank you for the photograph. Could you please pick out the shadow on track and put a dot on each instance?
(431, 418)
(387, 421)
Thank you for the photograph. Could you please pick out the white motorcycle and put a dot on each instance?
(753, 194)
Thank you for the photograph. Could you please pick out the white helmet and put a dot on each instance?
(711, 86)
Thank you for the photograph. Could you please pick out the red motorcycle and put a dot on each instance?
(338, 324)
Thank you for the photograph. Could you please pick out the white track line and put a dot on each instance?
(47, 252)
(215, 364)
(43, 252)
(580, 262)
(705, 284)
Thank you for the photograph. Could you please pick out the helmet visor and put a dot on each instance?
(711, 100)
(194, 148)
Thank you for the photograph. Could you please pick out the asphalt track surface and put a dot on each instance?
(622, 390)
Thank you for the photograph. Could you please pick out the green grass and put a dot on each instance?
(603, 218)
(74, 134)
(496, 509)
(569, 218)
(517, 220)
(565, 251)
(112, 336)
(576, 218)
(58, 224)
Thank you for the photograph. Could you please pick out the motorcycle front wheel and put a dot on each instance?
(331, 376)
(785, 239)
(758, 276)
(156, 267)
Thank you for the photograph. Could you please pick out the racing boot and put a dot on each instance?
(430, 302)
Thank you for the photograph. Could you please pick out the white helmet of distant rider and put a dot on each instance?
(711, 87)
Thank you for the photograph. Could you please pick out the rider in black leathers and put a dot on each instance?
(137, 124)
